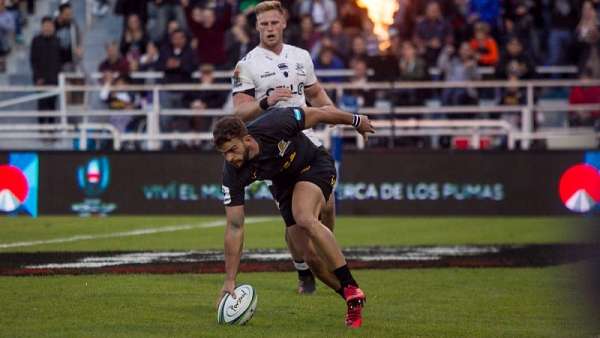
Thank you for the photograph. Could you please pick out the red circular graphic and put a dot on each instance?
(580, 187)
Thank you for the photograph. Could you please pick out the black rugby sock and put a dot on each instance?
(302, 268)
(344, 275)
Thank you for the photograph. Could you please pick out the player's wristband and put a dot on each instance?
(355, 120)
(264, 104)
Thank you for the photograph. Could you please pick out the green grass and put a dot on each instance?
(350, 231)
(401, 303)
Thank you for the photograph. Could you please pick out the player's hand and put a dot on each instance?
(278, 94)
(365, 127)
(228, 288)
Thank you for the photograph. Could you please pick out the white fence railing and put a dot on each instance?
(74, 120)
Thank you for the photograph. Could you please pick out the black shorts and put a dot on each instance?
(321, 171)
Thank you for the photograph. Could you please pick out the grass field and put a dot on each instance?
(450, 302)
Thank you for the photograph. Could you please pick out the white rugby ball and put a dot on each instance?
(240, 310)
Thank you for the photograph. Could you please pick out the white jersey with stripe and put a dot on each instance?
(261, 71)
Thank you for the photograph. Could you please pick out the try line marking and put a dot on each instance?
(139, 232)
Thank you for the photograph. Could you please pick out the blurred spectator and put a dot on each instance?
(515, 62)
(7, 28)
(371, 39)
(487, 11)
(239, 40)
(14, 8)
(159, 12)
(172, 26)
(321, 12)
(133, 40)
(341, 41)
(457, 18)
(149, 60)
(585, 95)
(411, 66)
(307, 37)
(126, 8)
(351, 17)
(100, 7)
(205, 99)
(177, 60)
(69, 35)
(119, 100)
(432, 33)
(513, 95)
(459, 67)
(328, 60)
(358, 98)
(45, 64)
(208, 32)
(114, 62)
(519, 22)
(562, 21)
(484, 45)
(359, 49)
(587, 38)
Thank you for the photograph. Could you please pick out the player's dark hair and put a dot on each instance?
(228, 128)
(63, 6)
(47, 19)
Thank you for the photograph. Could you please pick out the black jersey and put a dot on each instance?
(284, 151)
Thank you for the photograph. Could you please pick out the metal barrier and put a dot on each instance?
(73, 120)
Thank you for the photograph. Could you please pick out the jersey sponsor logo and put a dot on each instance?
(300, 69)
(284, 68)
(226, 195)
(236, 81)
(267, 74)
(299, 90)
(282, 146)
(288, 163)
(307, 168)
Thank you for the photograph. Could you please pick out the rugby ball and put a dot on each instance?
(240, 310)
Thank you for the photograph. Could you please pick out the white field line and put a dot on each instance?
(139, 232)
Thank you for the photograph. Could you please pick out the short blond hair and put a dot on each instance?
(266, 6)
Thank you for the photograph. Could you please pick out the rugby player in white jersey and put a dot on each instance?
(275, 74)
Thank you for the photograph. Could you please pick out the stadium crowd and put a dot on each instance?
(430, 40)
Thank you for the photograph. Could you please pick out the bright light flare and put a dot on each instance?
(381, 12)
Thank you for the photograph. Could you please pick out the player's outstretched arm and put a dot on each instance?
(247, 108)
(332, 115)
(234, 243)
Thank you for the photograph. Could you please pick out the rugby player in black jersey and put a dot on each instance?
(273, 147)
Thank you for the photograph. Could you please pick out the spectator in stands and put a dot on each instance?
(519, 22)
(371, 39)
(209, 32)
(45, 64)
(515, 62)
(114, 62)
(328, 60)
(69, 35)
(205, 99)
(7, 28)
(307, 37)
(149, 60)
(432, 33)
(351, 18)
(14, 7)
(484, 45)
(340, 39)
(487, 11)
(177, 60)
(172, 26)
(100, 7)
(358, 98)
(119, 100)
(411, 67)
(562, 21)
(461, 66)
(126, 8)
(457, 17)
(587, 38)
(159, 12)
(585, 95)
(321, 12)
(133, 40)
(359, 49)
(239, 40)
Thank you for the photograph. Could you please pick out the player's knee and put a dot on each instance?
(306, 221)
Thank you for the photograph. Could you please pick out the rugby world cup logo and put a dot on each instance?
(93, 179)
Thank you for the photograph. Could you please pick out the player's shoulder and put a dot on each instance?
(297, 51)
(250, 57)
